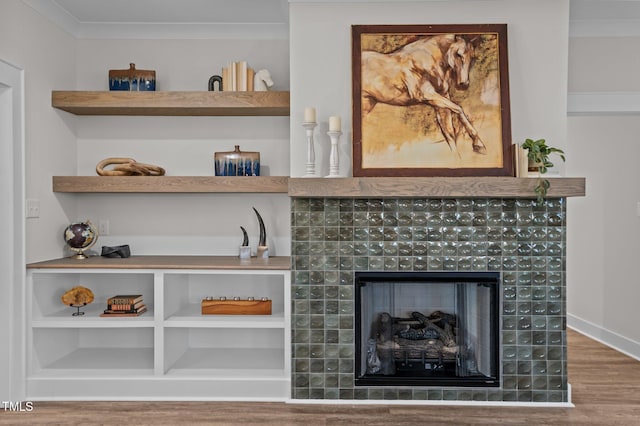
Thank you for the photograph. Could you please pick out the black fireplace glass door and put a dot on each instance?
(427, 329)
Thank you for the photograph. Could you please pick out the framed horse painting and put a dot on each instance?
(431, 100)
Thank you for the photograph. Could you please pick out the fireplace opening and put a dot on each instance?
(427, 328)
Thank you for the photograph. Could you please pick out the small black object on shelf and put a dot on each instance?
(212, 83)
(116, 251)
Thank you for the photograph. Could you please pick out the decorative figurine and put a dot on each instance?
(263, 249)
(213, 80)
(77, 297)
(127, 167)
(262, 81)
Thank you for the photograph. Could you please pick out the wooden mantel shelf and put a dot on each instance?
(175, 184)
(172, 103)
(167, 262)
(443, 187)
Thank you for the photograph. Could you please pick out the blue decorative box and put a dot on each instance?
(237, 163)
(132, 80)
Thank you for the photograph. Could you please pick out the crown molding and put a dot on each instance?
(603, 103)
(161, 30)
(604, 28)
(178, 31)
(50, 9)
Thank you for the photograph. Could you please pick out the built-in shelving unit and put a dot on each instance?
(172, 103)
(171, 351)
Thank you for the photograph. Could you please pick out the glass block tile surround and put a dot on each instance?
(525, 242)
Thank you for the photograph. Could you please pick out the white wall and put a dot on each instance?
(47, 54)
(12, 229)
(603, 285)
(183, 223)
(320, 39)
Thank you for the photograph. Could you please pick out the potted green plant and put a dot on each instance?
(538, 154)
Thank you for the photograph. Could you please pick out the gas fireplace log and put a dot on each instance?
(417, 337)
(385, 327)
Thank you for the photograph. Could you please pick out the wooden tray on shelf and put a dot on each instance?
(236, 307)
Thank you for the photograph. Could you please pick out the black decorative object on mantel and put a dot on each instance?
(263, 249)
(245, 238)
(245, 250)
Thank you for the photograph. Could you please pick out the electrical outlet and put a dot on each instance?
(33, 208)
(103, 227)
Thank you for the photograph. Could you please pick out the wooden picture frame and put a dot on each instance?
(431, 100)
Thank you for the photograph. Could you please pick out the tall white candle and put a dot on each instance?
(334, 123)
(309, 115)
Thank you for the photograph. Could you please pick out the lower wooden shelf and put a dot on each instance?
(167, 262)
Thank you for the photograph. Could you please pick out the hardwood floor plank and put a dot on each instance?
(605, 387)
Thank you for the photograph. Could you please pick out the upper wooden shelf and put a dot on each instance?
(142, 184)
(172, 103)
(442, 187)
(167, 262)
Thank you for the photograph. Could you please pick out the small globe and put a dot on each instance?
(79, 237)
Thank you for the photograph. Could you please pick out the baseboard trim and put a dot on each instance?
(606, 337)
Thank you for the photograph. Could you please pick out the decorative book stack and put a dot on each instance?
(125, 305)
(237, 77)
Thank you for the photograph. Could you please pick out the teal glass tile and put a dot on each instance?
(435, 394)
(331, 350)
(523, 241)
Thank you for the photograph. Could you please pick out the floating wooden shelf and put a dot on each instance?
(172, 103)
(167, 262)
(141, 184)
(443, 187)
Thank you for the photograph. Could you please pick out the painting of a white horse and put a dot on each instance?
(430, 102)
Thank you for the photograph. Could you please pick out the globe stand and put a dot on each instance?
(78, 312)
(79, 253)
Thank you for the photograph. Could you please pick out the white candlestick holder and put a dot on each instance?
(334, 162)
(311, 154)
